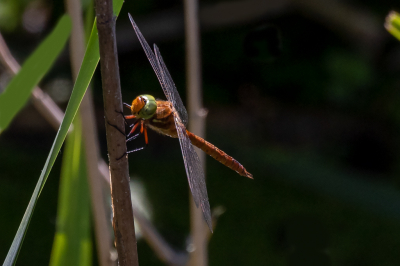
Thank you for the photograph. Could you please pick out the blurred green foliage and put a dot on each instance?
(12, 100)
(20, 88)
(72, 242)
(83, 79)
(393, 24)
(308, 110)
(10, 14)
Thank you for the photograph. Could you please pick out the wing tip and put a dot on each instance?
(205, 206)
(132, 21)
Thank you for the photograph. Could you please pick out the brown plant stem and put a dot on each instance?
(123, 224)
(199, 256)
(54, 115)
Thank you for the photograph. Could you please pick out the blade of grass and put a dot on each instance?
(88, 67)
(72, 242)
(54, 115)
(102, 229)
(38, 64)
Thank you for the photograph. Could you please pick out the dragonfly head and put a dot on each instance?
(144, 106)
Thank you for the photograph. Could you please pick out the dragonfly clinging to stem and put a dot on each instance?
(170, 118)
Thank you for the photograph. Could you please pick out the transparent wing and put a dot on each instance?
(194, 172)
(168, 85)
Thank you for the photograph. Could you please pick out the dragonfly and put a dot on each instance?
(170, 118)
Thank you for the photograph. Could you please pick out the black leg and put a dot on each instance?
(121, 113)
(121, 156)
(114, 126)
(132, 138)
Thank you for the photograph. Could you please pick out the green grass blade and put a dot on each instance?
(36, 66)
(392, 24)
(72, 242)
(88, 67)
(89, 19)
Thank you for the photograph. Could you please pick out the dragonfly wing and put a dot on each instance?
(160, 69)
(171, 88)
(149, 53)
(194, 172)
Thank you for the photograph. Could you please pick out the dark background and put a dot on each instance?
(304, 94)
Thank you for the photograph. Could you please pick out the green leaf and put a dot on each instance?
(392, 24)
(72, 242)
(36, 66)
(88, 67)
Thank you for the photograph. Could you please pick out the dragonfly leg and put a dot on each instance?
(114, 126)
(143, 130)
(146, 139)
(138, 149)
(127, 105)
(121, 113)
(129, 116)
(133, 137)
(141, 126)
(134, 127)
(135, 150)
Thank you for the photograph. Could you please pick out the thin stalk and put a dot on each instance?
(54, 115)
(123, 224)
(77, 51)
(199, 256)
(42, 101)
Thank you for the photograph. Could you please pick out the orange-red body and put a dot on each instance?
(163, 122)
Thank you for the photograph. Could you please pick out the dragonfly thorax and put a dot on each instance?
(144, 106)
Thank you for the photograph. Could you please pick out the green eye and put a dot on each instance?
(149, 108)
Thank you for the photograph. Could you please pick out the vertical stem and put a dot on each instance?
(124, 229)
(199, 256)
(77, 51)
(54, 115)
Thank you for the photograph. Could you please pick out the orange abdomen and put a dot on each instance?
(218, 154)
